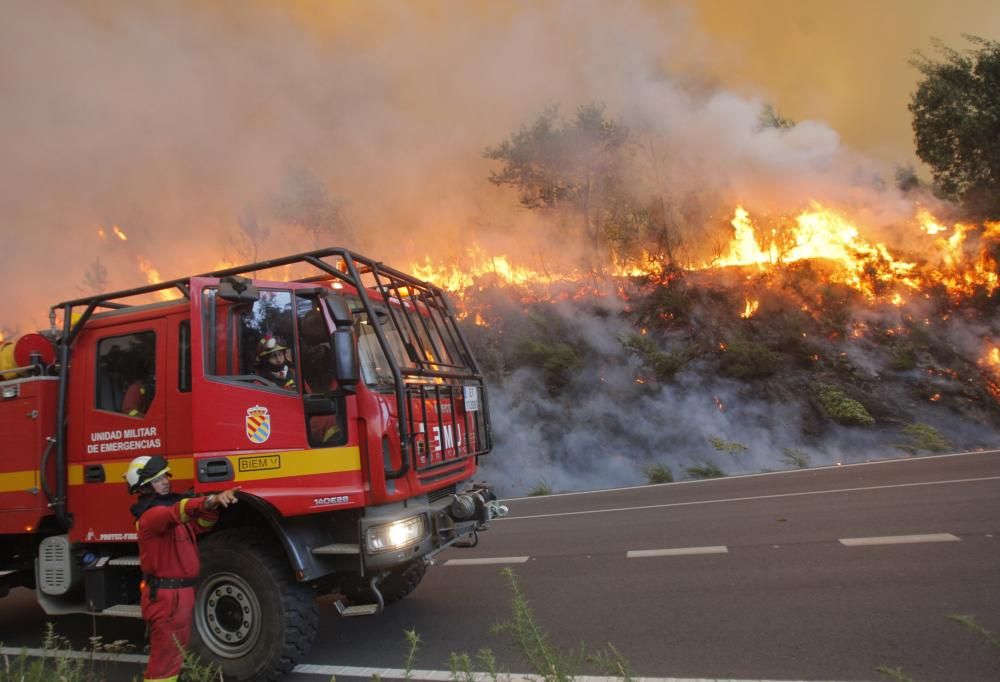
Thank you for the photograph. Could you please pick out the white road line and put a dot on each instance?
(64, 653)
(675, 551)
(366, 673)
(447, 675)
(487, 561)
(792, 472)
(899, 539)
(747, 499)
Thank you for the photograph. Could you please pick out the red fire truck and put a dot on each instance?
(355, 463)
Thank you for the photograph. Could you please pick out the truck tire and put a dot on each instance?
(251, 617)
(399, 583)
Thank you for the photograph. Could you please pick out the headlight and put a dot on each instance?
(395, 535)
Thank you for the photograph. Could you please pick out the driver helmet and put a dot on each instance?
(144, 470)
(269, 344)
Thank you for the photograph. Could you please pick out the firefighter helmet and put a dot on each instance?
(269, 344)
(144, 470)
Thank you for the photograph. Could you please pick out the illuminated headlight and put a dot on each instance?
(395, 535)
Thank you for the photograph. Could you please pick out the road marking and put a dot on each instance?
(675, 551)
(899, 539)
(792, 472)
(356, 671)
(747, 499)
(66, 653)
(448, 675)
(487, 561)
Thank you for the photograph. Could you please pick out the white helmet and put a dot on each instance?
(143, 470)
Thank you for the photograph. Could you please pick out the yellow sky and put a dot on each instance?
(842, 61)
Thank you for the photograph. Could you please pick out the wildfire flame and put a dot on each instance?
(818, 233)
(750, 309)
(118, 233)
(153, 277)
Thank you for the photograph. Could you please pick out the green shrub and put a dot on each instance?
(558, 361)
(842, 409)
(747, 360)
(795, 458)
(704, 470)
(924, 437)
(659, 473)
(661, 363)
(541, 488)
(904, 357)
(729, 447)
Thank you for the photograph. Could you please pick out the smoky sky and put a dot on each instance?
(170, 119)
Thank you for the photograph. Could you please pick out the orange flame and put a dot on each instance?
(750, 309)
(118, 233)
(153, 277)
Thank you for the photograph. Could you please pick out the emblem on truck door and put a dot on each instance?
(258, 424)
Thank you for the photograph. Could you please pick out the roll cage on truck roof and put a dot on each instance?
(382, 364)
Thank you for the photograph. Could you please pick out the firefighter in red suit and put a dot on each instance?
(167, 525)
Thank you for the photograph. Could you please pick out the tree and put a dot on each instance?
(306, 203)
(770, 118)
(247, 242)
(562, 165)
(95, 278)
(956, 123)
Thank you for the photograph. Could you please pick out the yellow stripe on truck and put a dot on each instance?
(251, 466)
(262, 466)
(18, 481)
(114, 472)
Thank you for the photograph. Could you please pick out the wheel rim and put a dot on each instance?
(228, 615)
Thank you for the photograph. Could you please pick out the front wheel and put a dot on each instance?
(251, 617)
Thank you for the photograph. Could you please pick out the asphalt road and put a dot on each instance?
(820, 574)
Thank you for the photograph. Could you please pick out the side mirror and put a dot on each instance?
(345, 357)
(238, 290)
(340, 311)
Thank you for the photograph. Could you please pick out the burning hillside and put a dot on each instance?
(801, 342)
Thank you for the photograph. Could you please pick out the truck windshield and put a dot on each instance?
(413, 346)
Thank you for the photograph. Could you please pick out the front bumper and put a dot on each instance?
(419, 529)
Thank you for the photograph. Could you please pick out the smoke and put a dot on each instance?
(181, 123)
(170, 120)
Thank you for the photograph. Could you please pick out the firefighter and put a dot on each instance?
(274, 361)
(167, 524)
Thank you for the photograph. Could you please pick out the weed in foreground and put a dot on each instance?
(895, 674)
(193, 670)
(970, 623)
(542, 657)
(462, 670)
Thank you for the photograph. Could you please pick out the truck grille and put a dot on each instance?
(441, 493)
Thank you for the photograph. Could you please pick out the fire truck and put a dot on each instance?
(355, 467)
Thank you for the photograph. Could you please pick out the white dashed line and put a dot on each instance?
(676, 551)
(899, 539)
(487, 561)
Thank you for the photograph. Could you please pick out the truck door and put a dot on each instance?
(256, 364)
(118, 372)
(246, 392)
